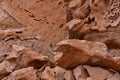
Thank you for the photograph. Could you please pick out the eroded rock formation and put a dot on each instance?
(59, 39)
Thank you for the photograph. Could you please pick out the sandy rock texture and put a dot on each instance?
(59, 39)
(93, 15)
(41, 21)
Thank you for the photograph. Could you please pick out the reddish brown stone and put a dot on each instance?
(5, 69)
(80, 73)
(116, 76)
(77, 52)
(95, 15)
(40, 18)
(69, 75)
(24, 57)
(23, 74)
(97, 73)
(56, 73)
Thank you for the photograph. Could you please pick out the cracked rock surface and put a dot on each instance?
(59, 39)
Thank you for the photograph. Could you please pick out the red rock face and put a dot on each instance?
(40, 19)
(59, 39)
(95, 15)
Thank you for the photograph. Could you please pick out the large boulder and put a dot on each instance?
(77, 52)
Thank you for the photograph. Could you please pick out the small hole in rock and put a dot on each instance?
(61, 26)
(47, 22)
(18, 32)
(53, 23)
(96, 5)
(60, 3)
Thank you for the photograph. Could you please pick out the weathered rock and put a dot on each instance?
(9, 30)
(3, 15)
(89, 78)
(8, 34)
(56, 73)
(7, 21)
(20, 57)
(111, 35)
(53, 74)
(110, 38)
(3, 57)
(77, 52)
(25, 57)
(95, 15)
(40, 18)
(68, 75)
(5, 69)
(31, 58)
(97, 73)
(116, 76)
(37, 25)
(86, 72)
(83, 11)
(77, 28)
(74, 3)
(80, 73)
(23, 74)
